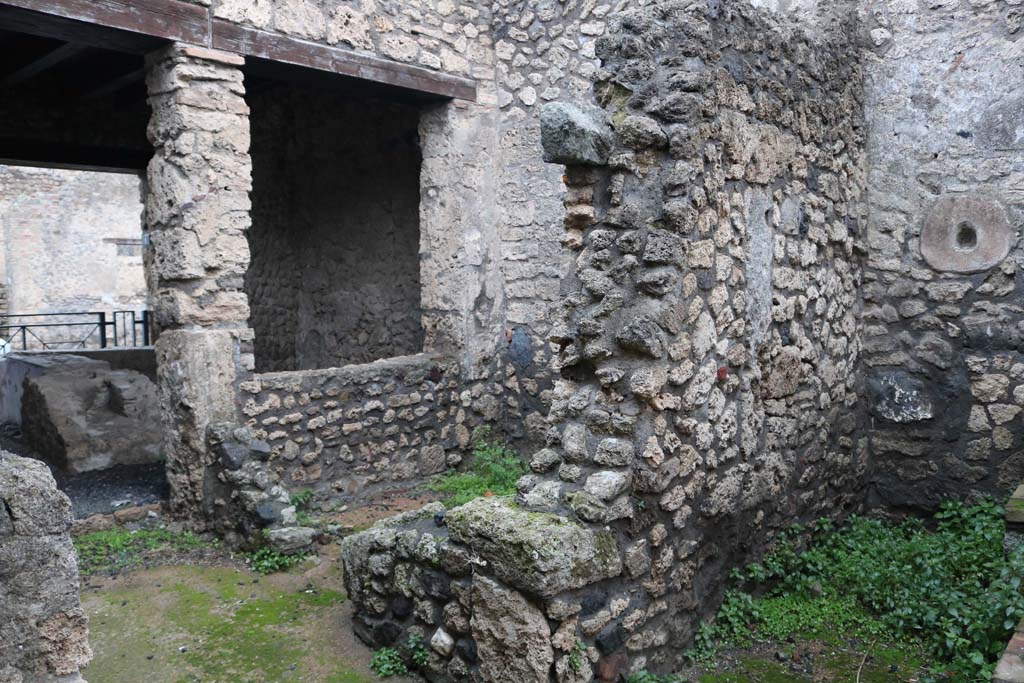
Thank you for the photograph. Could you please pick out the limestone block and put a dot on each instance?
(43, 630)
(512, 636)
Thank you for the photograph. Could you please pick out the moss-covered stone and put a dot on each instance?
(538, 553)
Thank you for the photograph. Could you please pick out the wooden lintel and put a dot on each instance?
(134, 25)
(164, 19)
(279, 48)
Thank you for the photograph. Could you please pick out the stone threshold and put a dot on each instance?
(358, 373)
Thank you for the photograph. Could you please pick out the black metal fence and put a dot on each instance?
(71, 331)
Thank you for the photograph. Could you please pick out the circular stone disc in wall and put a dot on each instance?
(966, 234)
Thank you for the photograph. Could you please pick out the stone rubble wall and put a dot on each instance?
(347, 433)
(443, 35)
(709, 342)
(43, 629)
(943, 370)
(334, 277)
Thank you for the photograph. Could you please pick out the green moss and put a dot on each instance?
(237, 642)
(830, 666)
(616, 100)
(215, 625)
(753, 671)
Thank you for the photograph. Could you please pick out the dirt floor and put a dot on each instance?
(183, 623)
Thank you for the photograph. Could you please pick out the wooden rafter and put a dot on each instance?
(42, 63)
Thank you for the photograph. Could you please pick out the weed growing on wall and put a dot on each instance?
(302, 500)
(117, 549)
(495, 468)
(950, 589)
(387, 662)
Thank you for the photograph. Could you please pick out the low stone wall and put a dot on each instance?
(43, 630)
(489, 588)
(347, 431)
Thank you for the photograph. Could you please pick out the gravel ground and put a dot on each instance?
(101, 491)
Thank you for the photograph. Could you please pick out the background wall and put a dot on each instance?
(69, 240)
(335, 271)
(943, 362)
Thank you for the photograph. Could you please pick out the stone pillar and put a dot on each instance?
(197, 212)
(43, 630)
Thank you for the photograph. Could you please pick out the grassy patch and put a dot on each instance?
(214, 625)
(950, 592)
(118, 549)
(244, 641)
(494, 470)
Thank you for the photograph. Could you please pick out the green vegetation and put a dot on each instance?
(388, 662)
(575, 657)
(647, 677)
(495, 469)
(418, 651)
(118, 549)
(268, 561)
(301, 500)
(949, 591)
(245, 641)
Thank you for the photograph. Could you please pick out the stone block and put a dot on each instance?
(537, 553)
(81, 415)
(573, 137)
(513, 639)
(43, 629)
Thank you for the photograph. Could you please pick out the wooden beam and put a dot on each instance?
(41, 64)
(17, 20)
(279, 48)
(115, 84)
(139, 25)
(164, 19)
(23, 152)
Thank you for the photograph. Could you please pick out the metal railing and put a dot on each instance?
(71, 331)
